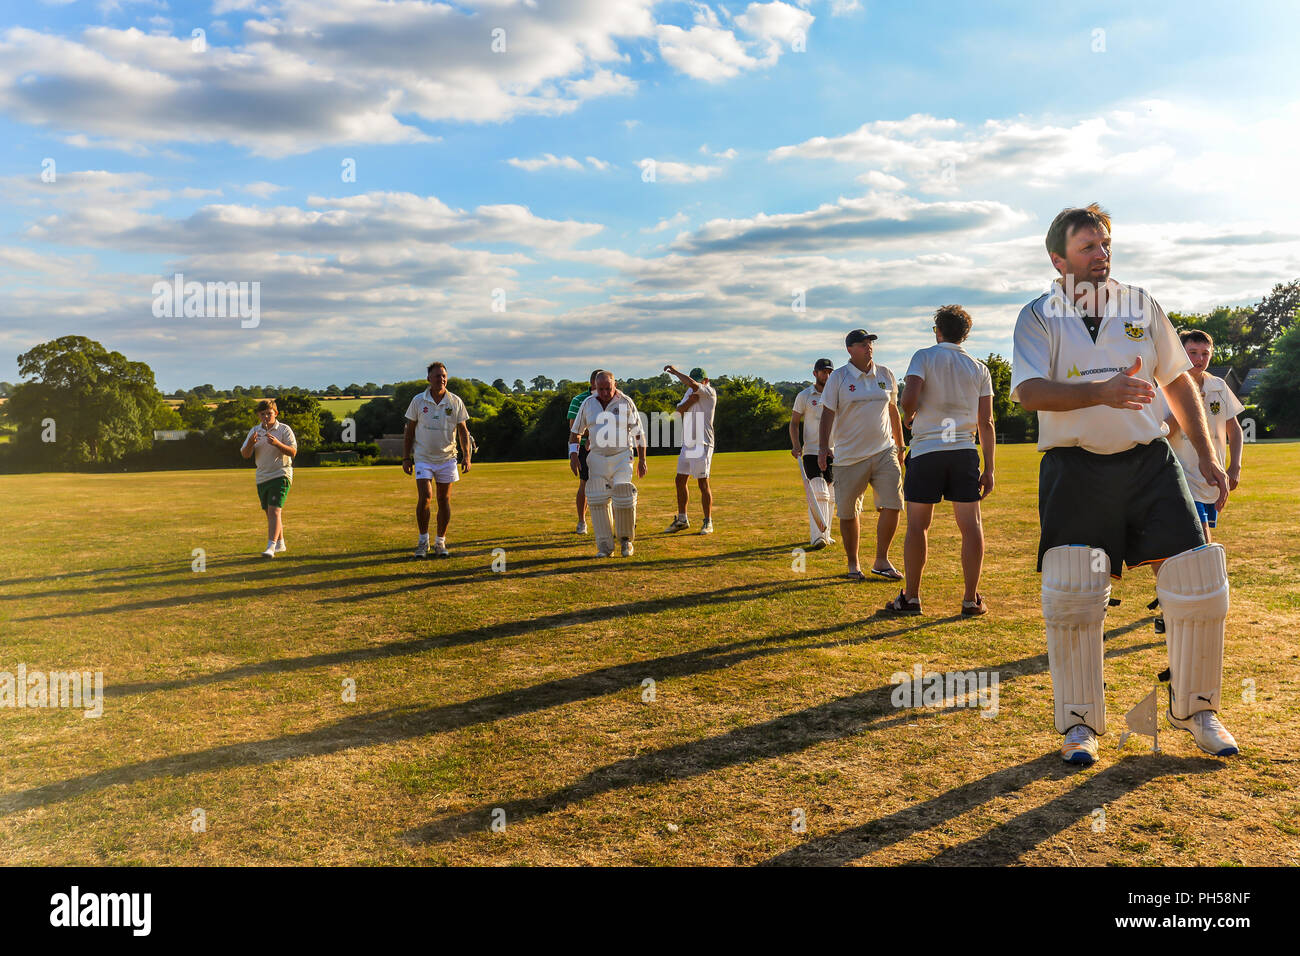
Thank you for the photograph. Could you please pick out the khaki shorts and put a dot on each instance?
(880, 471)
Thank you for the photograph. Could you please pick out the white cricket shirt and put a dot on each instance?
(612, 430)
(1220, 405)
(435, 426)
(808, 403)
(860, 401)
(948, 415)
(271, 462)
(697, 421)
(1052, 343)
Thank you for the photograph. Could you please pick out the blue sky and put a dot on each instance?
(878, 159)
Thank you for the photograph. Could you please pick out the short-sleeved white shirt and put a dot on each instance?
(948, 415)
(860, 401)
(1220, 405)
(697, 421)
(612, 430)
(808, 403)
(435, 426)
(271, 462)
(1052, 343)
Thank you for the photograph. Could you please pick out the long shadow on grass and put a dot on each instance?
(430, 575)
(789, 733)
(392, 725)
(1007, 842)
(675, 602)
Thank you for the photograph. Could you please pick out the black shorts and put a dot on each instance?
(583, 474)
(1134, 505)
(811, 470)
(953, 474)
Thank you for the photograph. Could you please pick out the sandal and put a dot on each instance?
(975, 608)
(856, 576)
(890, 575)
(903, 605)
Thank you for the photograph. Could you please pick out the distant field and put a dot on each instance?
(522, 696)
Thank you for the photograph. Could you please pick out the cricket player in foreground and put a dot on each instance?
(696, 457)
(1110, 491)
(435, 419)
(860, 417)
(805, 446)
(947, 397)
(275, 445)
(613, 426)
(581, 500)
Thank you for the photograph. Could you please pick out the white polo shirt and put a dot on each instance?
(697, 421)
(860, 401)
(435, 426)
(808, 403)
(271, 462)
(948, 415)
(1052, 343)
(612, 430)
(1220, 405)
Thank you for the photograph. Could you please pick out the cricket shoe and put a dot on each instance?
(279, 546)
(706, 528)
(269, 552)
(421, 550)
(679, 524)
(440, 551)
(1080, 746)
(581, 529)
(627, 548)
(818, 544)
(1207, 730)
(604, 552)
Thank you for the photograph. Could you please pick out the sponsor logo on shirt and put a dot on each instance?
(1132, 331)
(1089, 371)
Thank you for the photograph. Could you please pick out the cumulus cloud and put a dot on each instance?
(672, 172)
(708, 51)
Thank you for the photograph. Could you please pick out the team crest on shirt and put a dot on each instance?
(1132, 331)
(853, 388)
(1214, 408)
(883, 386)
(425, 410)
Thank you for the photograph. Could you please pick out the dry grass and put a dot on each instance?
(523, 691)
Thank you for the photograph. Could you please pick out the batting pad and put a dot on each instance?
(602, 524)
(1193, 590)
(1076, 592)
(625, 510)
(822, 492)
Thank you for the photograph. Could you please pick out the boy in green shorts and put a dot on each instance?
(275, 446)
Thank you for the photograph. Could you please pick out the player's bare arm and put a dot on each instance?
(1121, 390)
(1235, 441)
(682, 376)
(911, 400)
(408, 448)
(274, 442)
(988, 443)
(796, 431)
(1185, 401)
(896, 424)
(246, 449)
(466, 447)
(690, 400)
(573, 451)
(824, 435)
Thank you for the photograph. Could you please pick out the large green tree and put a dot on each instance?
(81, 404)
(1277, 393)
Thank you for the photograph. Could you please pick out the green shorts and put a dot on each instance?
(272, 494)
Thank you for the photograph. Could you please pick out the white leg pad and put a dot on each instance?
(602, 524)
(625, 511)
(1076, 591)
(1193, 590)
(822, 492)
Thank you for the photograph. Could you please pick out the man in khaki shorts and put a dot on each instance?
(860, 419)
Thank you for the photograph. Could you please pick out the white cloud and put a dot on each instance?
(672, 172)
(725, 154)
(263, 190)
(546, 161)
(680, 219)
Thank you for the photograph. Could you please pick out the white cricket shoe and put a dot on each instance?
(679, 524)
(279, 546)
(421, 550)
(1080, 745)
(818, 544)
(440, 550)
(269, 552)
(581, 529)
(1208, 732)
(627, 548)
(706, 528)
(604, 552)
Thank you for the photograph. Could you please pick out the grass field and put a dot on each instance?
(519, 695)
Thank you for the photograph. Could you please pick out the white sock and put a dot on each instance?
(424, 538)
(441, 539)
(681, 516)
(270, 543)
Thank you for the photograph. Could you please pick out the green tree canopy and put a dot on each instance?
(1277, 393)
(96, 405)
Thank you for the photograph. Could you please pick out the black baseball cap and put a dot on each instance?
(823, 363)
(858, 335)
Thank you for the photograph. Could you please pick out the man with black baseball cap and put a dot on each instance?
(805, 445)
(860, 409)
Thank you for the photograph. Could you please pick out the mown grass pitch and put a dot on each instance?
(522, 692)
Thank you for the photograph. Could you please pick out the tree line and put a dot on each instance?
(81, 406)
